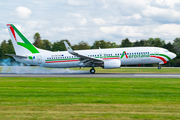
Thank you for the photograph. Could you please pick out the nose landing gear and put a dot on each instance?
(159, 67)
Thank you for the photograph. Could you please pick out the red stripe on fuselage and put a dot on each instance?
(76, 60)
(160, 58)
(110, 58)
(61, 61)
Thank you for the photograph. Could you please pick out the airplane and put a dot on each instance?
(106, 58)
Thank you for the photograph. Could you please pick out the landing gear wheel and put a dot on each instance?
(159, 67)
(92, 71)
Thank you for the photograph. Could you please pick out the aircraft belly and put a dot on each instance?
(130, 61)
(26, 61)
(62, 65)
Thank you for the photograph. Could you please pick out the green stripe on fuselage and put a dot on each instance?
(163, 56)
(78, 58)
(63, 59)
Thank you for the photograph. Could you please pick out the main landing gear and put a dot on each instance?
(159, 67)
(92, 71)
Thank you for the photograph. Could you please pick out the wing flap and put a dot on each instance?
(83, 58)
(18, 56)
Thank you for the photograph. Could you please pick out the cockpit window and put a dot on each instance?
(165, 51)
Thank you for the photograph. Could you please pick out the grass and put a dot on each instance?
(135, 70)
(89, 98)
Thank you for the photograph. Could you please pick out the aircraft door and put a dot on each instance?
(156, 51)
(39, 59)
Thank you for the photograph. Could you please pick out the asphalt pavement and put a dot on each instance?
(97, 75)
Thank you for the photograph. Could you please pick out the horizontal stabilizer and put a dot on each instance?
(18, 56)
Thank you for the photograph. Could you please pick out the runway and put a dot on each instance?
(97, 75)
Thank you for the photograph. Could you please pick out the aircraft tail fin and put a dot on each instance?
(21, 44)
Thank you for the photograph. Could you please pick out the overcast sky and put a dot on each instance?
(90, 20)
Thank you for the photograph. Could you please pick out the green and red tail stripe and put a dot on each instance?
(12, 30)
(24, 41)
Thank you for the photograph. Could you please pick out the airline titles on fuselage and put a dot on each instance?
(121, 55)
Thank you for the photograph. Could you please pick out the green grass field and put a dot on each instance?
(89, 98)
(135, 70)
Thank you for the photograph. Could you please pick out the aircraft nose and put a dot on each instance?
(172, 55)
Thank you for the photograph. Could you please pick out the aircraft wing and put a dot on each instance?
(83, 59)
(18, 56)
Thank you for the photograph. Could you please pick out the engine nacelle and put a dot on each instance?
(109, 64)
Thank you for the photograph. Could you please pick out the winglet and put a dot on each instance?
(69, 49)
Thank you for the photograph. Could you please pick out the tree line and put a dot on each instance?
(7, 47)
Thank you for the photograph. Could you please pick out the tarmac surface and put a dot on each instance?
(97, 75)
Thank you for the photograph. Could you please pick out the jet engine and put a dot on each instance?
(110, 64)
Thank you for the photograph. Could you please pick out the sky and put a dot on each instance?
(90, 20)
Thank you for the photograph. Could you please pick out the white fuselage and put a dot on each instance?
(127, 56)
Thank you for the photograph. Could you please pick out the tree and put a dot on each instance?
(37, 41)
(111, 45)
(169, 46)
(136, 44)
(126, 43)
(59, 45)
(6, 48)
(10, 48)
(103, 44)
(47, 45)
(176, 45)
(81, 46)
(3, 49)
(150, 42)
(158, 42)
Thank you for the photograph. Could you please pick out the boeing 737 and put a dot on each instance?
(106, 58)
